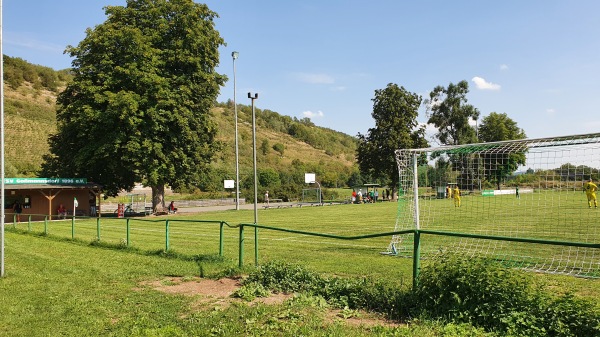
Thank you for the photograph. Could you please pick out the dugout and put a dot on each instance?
(366, 188)
(443, 192)
(40, 197)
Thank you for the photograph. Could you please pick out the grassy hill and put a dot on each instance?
(284, 143)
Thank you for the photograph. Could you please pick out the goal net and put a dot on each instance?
(311, 195)
(528, 189)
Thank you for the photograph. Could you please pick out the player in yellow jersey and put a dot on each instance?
(590, 190)
(456, 196)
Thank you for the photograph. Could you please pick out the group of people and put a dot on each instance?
(589, 188)
(371, 196)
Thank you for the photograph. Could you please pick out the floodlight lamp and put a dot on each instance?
(235, 54)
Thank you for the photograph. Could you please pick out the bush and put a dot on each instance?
(341, 292)
(451, 289)
(485, 294)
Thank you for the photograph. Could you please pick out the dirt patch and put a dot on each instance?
(222, 288)
(218, 294)
(207, 291)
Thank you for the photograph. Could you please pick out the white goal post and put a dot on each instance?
(528, 189)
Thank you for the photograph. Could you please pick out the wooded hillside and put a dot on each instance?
(287, 147)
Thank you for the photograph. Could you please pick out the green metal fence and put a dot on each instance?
(417, 234)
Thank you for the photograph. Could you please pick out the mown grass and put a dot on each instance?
(48, 274)
(59, 288)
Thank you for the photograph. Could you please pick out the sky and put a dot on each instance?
(538, 61)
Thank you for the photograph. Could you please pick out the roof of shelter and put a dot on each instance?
(49, 183)
(51, 186)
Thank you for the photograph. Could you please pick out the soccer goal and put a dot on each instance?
(311, 195)
(476, 199)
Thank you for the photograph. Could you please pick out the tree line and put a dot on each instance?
(395, 111)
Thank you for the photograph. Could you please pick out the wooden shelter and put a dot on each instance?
(40, 197)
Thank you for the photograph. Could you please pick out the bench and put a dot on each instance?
(78, 212)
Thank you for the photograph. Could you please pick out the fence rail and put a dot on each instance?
(417, 234)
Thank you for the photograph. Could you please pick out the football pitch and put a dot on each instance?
(546, 215)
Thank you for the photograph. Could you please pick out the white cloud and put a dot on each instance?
(503, 67)
(430, 132)
(550, 111)
(314, 78)
(311, 114)
(338, 88)
(482, 84)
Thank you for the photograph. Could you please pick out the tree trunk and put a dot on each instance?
(158, 198)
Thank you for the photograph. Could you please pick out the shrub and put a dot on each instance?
(485, 294)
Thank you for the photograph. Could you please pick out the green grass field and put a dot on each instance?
(54, 286)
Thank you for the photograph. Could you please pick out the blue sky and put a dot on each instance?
(538, 61)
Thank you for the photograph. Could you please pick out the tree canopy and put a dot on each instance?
(395, 111)
(498, 127)
(137, 109)
(450, 113)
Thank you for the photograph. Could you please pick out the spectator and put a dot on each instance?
(18, 209)
(172, 208)
(61, 211)
(267, 198)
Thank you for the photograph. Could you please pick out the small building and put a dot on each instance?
(40, 197)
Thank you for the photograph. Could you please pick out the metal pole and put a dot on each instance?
(255, 178)
(417, 235)
(1, 152)
(234, 55)
(98, 227)
(254, 156)
(127, 224)
(241, 248)
(167, 235)
(416, 191)
(221, 238)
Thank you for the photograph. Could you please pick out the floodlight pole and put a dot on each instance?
(1, 152)
(235, 55)
(254, 156)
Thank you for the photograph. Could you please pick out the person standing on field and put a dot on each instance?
(267, 198)
(590, 191)
(456, 196)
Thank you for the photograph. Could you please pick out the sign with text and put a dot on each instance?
(45, 181)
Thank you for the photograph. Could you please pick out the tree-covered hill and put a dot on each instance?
(287, 147)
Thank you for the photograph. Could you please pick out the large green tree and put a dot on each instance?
(138, 107)
(498, 127)
(395, 111)
(450, 114)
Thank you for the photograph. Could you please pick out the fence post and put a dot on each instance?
(221, 239)
(45, 224)
(241, 242)
(167, 235)
(256, 246)
(29, 223)
(14, 221)
(127, 232)
(73, 227)
(416, 258)
(98, 228)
